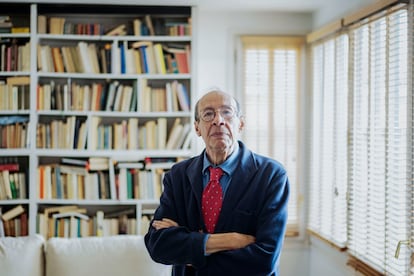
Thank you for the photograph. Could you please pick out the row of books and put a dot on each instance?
(171, 97)
(70, 221)
(110, 96)
(133, 183)
(15, 93)
(140, 26)
(113, 96)
(72, 133)
(12, 181)
(14, 222)
(127, 134)
(14, 55)
(12, 184)
(58, 25)
(147, 57)
(142, 57)
(68, 133)
(14, 134)
(60, 181)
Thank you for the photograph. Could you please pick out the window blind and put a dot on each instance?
(379, 204)
(270, 100)
(373, 125)
(328, 147)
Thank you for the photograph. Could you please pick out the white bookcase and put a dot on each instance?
(69, 78)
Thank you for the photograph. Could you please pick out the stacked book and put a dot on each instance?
(5, 24)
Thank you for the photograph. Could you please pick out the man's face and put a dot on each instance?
(218, 124)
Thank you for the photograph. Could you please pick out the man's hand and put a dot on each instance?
(164, 223)
(228, 241)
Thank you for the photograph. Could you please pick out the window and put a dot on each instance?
(361, 171)
(270, 103)
(328, 152)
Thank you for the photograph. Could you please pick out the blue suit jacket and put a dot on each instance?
(255, 204)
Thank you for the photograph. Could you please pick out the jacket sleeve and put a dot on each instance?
(175, 245)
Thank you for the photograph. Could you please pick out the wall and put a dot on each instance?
(216, 38)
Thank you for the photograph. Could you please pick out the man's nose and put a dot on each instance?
(218, 118)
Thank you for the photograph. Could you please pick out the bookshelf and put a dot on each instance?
(98, 107)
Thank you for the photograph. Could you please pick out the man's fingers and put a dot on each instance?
(164, 223)
(170, 221)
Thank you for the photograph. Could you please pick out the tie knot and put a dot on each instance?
(215, 173)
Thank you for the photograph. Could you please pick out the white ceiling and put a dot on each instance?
(264, 5)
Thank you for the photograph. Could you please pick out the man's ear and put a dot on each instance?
(197, 130)
(242, 123)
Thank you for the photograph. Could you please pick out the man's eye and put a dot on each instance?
(227, 112)
(208, 113)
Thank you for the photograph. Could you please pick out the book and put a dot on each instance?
(148, 23)
(85, 59)
(20, 30)
(111, 95)
(174, 134)
(132, 138)
(11, 167)
(2, 234)
(57, 60)
(41, 24)
(5, 175)
(99, 223)
(161, 133)
(70, 214)
(118, 98)
(12, 213)
(137, 26)
(183, 97)
(98, 163)
(74, 161)
(118, 30)
(159, 59)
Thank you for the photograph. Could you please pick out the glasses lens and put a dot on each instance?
(208, 115)
(225, 112)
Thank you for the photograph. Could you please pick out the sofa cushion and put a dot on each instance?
(22, 256)
(104, 256)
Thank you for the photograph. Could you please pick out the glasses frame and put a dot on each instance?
(219, 110)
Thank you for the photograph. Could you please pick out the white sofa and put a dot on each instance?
(104, 256)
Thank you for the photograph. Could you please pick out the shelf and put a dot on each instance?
(99, 83)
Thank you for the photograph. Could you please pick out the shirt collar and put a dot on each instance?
(227, 166)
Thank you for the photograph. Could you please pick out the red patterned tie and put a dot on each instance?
(212, 199)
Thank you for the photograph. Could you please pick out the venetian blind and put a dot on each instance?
(328, 147)
(271, 86)
(380, 186)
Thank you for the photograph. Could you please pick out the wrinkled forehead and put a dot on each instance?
(216, 100)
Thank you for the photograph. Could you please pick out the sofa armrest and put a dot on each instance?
(22, 256)
(105, 256)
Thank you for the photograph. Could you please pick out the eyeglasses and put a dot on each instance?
(226, 112)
